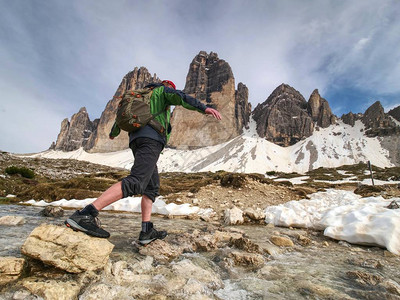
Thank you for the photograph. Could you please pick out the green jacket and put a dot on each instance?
(161, 100)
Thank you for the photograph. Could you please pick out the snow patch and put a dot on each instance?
(343, 215)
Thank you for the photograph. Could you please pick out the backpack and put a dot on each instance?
(133, 112)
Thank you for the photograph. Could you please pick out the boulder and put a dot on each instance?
(52, 211)
(12, 220)
(66, 249)
(247, 259)
(161, 250)
(255, 214)
(233, 216)
(10, 269)
(281, 241)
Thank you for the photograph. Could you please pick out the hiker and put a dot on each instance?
(146, 144)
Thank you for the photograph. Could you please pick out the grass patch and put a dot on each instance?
(24, 172)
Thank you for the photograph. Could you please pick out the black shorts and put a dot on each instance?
(144, 178)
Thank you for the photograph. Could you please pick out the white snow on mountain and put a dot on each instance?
(337, 145)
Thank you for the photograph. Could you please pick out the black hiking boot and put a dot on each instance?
(87, 224)
(151, 235)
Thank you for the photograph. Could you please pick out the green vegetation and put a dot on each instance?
(24, 172)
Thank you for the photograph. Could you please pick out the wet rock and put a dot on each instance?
(52, 211)
(205, 243)
(184, 280)
(23, 295)
(132, 274)
(391, 286)
(365, 278)
(51, 289)
(255, 214)
(303, 240)
(247, 259)
(12, 220)
(233, 216)
(187, 269)
(226, 236)
(281, 241)
(365, 263)
(161, 250)
(317, 291)
(10, 269)
(272, 249)
(245, 244)
(104, 291)
(66, 249)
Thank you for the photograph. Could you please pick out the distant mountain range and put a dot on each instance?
(285, 132)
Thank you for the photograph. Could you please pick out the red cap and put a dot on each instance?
(169, 82)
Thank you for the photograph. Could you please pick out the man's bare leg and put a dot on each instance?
(111, 195)
(147, 206)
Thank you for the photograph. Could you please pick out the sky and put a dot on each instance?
(57, 56)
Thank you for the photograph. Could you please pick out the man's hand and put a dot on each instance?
(213, 112)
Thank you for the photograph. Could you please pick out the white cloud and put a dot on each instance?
(70, 54)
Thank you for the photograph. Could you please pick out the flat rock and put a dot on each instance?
(51, 289)
(161, 250)
(66, 249)
(281, 241)
(10, 269)
(12, 220)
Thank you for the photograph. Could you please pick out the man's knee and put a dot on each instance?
(131, 186)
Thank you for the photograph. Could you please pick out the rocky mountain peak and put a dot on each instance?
(210, 80)
(74, 134)
(283, 118)
(395, 113)
(99, 141)
(286, 117)
(320, 111)
(377, 122)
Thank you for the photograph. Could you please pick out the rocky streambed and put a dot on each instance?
(198, 260)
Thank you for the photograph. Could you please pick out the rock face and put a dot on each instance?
(320, 111)
(350, 118)
(395, 113)
(99, 141)
(74, 134)
(74, 252)
(378, 123)
(93, 136)
(211, 81)
(285, 117)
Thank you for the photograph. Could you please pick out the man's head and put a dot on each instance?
(169, 83)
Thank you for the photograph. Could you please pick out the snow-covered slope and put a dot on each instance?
(336, 145)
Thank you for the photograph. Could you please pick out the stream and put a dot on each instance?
(317, 271)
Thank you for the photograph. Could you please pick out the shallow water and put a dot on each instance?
(312, 272)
